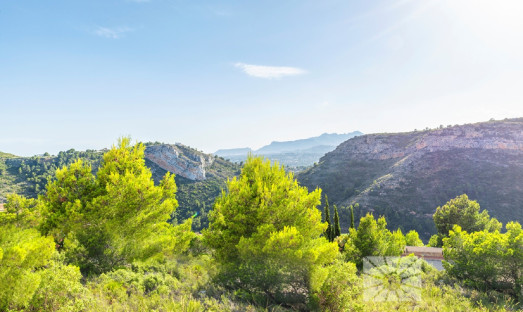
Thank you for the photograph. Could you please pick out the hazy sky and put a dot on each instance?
(223, 74)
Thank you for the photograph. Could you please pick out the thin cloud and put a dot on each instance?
(112, 33)
(269, 72)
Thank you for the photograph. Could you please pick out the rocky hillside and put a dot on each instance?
(200, 177)
(405, 176)
(180, 160)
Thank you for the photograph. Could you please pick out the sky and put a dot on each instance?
(230, 74)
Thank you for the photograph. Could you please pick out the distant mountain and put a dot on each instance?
(295, 154)
(405, 176)
(200, 177)
(326, 139)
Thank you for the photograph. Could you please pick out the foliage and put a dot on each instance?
(336, 229)
(434, 241)
(465, 213)
(372, 239)
(66, 199)
(101, 243)
(174, 284)
(21, 212)
(29, 176)
(3, 167)
(412, 239)
(329, 230)
(437, 296)
(114, 218)
(340, 290)
(36, 171)
(23, 252)
(487, 260)
(352, 215)
(265, 231)
(60, 288)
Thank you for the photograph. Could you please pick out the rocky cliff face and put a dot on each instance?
(506, 136)
(405, 176)
(180, 160)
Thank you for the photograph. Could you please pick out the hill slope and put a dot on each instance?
(405, 176)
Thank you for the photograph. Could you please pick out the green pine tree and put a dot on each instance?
(328, 231)
(351, 217)
(265, 232)
(336, 227)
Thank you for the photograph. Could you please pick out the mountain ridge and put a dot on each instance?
(405, 176)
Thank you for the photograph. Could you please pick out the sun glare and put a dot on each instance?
(497, 22)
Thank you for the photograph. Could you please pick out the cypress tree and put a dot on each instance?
(351, 217)
(328, 231)
(336, 228)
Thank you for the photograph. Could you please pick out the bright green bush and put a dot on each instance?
(372, 239)
(60, 288)
(465, 213)
(23, 252)
(487, 260)
(412, 239)
(340, 288)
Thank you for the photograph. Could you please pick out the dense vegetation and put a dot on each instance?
(28, 176)
(101, 242)
(465, 213)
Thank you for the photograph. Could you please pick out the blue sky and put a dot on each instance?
(224, 74)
